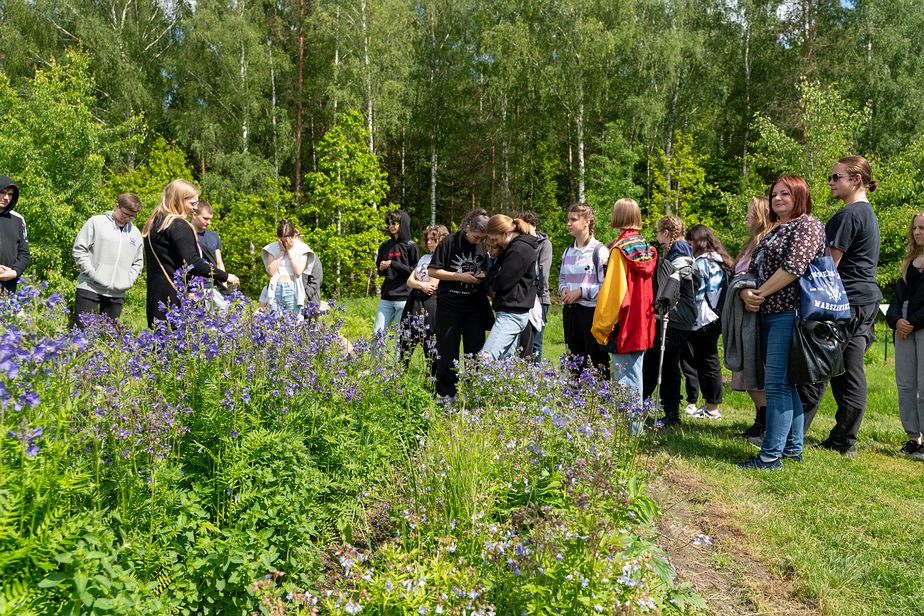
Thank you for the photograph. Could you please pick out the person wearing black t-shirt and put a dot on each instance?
(852, 238)
(462, 310)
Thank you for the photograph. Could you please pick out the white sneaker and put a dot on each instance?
(691, 409)
(704, 413)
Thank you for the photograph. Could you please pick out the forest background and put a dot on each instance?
(332, 111)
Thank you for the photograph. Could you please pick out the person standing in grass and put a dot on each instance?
(713, 262)
(109, 257)
(676, 281)
(462, 310)
(14, 245)
(170, 244)
(512, 283)
(906, 317)
(852, 237)
(779, 260)
(624, 319)
(759, 224)
(531, 340)
(419, 319)
(583, 267)
(395, 261)
(285, 260)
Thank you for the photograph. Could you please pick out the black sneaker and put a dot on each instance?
(756, 463)
(757, 441)
(912, 449)
(797, 458)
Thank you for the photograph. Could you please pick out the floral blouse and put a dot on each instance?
(790, 246)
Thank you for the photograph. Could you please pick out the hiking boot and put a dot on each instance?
(756, 463)
(760, 424)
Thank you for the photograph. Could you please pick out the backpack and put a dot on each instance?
(715, 298)
(597, 267)
(670, 282)
(312, 277)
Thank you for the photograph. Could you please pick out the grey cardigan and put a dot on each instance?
(741, 335)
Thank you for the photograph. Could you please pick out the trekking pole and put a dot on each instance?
(657, 392)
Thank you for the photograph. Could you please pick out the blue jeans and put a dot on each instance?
(285, 298)
(626, 369)
(503, 338)
(388, 313)
(785, 429)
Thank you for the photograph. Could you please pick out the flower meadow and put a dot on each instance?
(247, 463)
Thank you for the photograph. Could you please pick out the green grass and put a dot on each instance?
(849, 533)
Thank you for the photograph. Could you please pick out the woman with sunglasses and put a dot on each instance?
(852, 239)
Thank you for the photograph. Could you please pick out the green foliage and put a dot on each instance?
(828, 128)
(343, 201)
(246, 223)
(164, 163)
(57, 151)
(679, 185)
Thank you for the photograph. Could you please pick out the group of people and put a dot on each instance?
(649, 318)
(644, 317)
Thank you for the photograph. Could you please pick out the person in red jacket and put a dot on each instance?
(624, 319)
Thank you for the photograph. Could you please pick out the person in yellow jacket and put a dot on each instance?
(624, 319)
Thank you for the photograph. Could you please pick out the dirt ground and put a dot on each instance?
(708, 550)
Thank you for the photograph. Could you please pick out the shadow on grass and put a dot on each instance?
(699, 440)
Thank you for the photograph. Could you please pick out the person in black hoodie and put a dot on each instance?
(462, 313)
(170, 244)
(14, 247)
(395, 260)
(512, 280)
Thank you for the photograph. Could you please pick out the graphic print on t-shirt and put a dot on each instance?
(467, 263)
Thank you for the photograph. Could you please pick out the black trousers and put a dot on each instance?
(849, 389)
(577, 321)
(704, 346)
(453, 327)
(675, 341)
(94, 303)
(690, 376)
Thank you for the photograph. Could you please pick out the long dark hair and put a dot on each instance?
(703, 240)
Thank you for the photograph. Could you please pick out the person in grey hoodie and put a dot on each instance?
(14, 247)
(109, 254)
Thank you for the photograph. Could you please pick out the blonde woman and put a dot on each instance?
(759, 224)
(512, 281)
(906, 317)
(170, 244)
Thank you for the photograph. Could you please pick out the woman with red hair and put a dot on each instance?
(779, 261)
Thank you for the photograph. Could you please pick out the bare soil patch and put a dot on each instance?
(709, 551)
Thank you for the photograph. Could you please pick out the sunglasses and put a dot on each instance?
(834, 177)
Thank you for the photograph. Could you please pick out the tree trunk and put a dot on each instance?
(245, 125)
(299, 87)
(433, 175)
(365, 26)
(579, 121)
